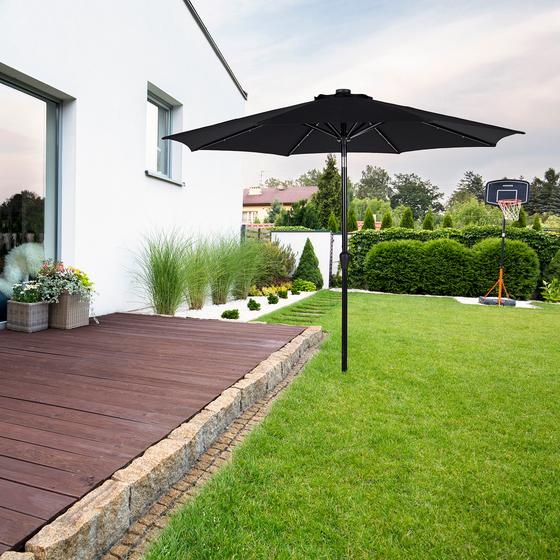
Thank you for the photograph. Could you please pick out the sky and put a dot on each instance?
(496, 62)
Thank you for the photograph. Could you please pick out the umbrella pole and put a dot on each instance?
(344, 255)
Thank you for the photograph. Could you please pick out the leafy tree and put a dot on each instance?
(447, 221)
(352, 222)
(309, 178)
(283, 218)
(521, 222)
(273, 182)
(470, 185)
(407, 220)
(375, 183)
(473, 212)
(537, 223)
(428, 222)
(304, 213)
(369, 221)
(327, 198)
(273, 212)
(333, 223)
(416, 193)
(545, 194)
(308, 267)
(387, 221)
(376, 205)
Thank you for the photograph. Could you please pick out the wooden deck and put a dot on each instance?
(75, 406)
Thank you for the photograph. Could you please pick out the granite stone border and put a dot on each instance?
(90, 527)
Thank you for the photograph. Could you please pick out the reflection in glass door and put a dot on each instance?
(28, 172)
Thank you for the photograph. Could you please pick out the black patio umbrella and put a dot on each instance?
(343, 122)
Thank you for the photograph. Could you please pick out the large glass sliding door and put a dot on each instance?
(28, 178)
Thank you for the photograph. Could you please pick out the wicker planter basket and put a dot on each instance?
(28, 317)
(69, 313)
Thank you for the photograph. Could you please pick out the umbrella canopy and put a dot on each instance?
(316, 126)
(343, 122)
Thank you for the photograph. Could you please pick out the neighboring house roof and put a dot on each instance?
(214, 46)
(286, 195)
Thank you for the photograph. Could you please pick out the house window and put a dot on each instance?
(158, 124)
(28, 180)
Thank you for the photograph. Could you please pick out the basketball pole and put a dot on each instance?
(500, 284)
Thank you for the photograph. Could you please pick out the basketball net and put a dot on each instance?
(510, 209)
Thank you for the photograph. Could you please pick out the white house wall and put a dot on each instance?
(102, 55)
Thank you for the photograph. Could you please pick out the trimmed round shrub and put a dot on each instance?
(521, 267)
(447, 268)
(308, 267)
(395, 266)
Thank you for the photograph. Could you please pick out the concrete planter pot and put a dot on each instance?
(28, 317)
(70, 312)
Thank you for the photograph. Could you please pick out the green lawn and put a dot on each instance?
(442, 441)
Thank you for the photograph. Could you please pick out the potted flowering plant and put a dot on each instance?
(27, 312)
(68, 291)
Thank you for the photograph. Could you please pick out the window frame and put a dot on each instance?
(53, 161)
(168, 108)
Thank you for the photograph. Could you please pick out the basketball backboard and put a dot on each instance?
(506, 189)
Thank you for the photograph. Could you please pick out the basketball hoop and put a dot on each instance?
(510, 208)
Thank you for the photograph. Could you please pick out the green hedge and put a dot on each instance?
(553, 268)
(395, 266)
(545, 244)
(446, 267)
(521, 267)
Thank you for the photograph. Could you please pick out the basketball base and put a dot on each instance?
(494, 301)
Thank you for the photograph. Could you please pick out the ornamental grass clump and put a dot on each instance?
(223, 263)
(250, 265)
(197, 263)
(56, 279)
(162, 273)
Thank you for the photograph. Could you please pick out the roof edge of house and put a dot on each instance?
(215, 47)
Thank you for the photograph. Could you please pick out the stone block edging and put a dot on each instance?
(94, 523)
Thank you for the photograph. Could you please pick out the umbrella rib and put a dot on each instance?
(229, 137)
(333, 129)
(364, 130)
(300, 141)
(352, 128)
(319, 129)
(461, 134)
(391, 145)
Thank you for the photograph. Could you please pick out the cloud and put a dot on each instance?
(493, 62)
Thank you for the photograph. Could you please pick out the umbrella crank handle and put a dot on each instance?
(344, 260)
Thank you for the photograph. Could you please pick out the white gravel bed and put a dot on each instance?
(210, 311)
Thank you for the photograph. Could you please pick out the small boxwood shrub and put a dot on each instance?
(295, 292)
(447, 268)
(272, 299)
(521, 267)
(303, 286)
(253, 305)
(395, 266)
(308, 267)
(230, 314)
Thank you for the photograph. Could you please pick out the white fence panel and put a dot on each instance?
(321, 241)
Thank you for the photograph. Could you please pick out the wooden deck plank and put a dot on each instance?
(77, 405)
